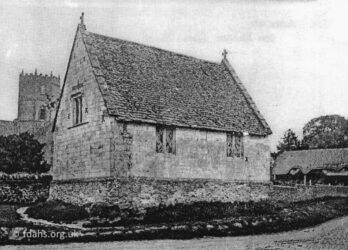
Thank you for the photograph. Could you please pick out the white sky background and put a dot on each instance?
(292, 56)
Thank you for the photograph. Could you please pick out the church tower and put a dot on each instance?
(36, 93)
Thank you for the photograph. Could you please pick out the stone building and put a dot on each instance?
(132, 110)
(37, 98)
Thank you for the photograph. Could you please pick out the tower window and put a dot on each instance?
(43, 89)
(77, 109)
(42, 114)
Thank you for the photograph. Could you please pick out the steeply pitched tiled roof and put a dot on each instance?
(146, 84)
(307, 160)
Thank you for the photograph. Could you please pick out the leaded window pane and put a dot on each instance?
(229, 145)
(234, 145)
(170, 141)
(159, 140)
(238, 146)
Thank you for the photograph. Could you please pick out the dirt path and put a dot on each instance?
(330, 235)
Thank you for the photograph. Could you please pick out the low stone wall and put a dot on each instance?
(24, 189)
(304, 192)
(146, 192)
(7, 128)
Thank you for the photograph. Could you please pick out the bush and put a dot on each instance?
(203, 211)
(104, 210)
(57, 211)
(199, 211)
(22, 153)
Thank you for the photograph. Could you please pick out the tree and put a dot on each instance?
(329, 131)
(22, 153)
(288, 142)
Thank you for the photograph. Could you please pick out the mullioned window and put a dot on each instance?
(165, 140)
(234, 145)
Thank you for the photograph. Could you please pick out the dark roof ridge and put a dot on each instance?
(313, 149)
(151, 46)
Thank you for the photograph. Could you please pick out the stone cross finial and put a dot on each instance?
(224, 53)
(82, 17)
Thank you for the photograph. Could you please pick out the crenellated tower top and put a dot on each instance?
(35, 77)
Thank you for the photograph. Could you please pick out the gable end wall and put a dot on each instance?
(82, 151)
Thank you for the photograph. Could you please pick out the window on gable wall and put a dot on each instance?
(43, 89)
(77, 109)
(165, 140)
(42, 114)
(234, 145)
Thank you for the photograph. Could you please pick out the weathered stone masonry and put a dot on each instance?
(24, 189)
(7, 128)
(129, 150)
(146, 192)
(199, 154)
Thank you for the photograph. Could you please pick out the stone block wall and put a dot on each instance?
(104, 147)
(199, 154)
(146, 192)
(24, 189)
(305, 192)
(17, 127)
(7, 128)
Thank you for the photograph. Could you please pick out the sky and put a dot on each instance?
(292, 56)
